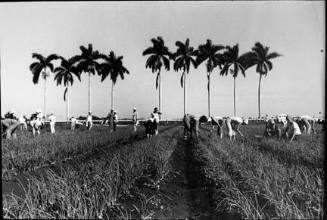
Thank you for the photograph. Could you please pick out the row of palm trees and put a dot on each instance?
(226, 58)
(88, 62)
(212, 55)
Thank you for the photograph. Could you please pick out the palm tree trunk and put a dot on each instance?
(234, 98)
(209, 95)
(89, 92)
(45, 90)
(259, 95)
(67, 104)
(112, 95)
(184, 93)
(160, 92)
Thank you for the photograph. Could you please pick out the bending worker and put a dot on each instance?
(233, 127)
(307, 123)
(273, 129)
(191, 126)
(219, 121)
(9, 125)
(292, 129)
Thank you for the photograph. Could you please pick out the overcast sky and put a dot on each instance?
(294, 29)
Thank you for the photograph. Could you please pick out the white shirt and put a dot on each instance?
(73, 120)
(21, 119)
(52, 119)
(89, 119)
(238, 119)
(156, 117)
(307, 117)
(294, 127)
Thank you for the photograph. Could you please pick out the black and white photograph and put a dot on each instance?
(163, 109)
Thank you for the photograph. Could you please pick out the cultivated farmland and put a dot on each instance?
(123, 175)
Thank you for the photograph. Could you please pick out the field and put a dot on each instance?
(123, 175)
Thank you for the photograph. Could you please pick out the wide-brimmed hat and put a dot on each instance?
(11, 112)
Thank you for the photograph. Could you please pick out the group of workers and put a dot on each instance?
(10, 123)
(289, 128)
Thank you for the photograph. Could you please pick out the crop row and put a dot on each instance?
(93, 189)
(256, 185)
(25, 153)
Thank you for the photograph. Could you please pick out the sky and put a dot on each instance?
(295, 29)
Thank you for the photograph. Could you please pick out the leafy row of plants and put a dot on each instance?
(26, 154)
(95, 188)
(256, 185)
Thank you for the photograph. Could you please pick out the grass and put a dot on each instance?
(118, 175)
(92, 189)
(26, 153)
(284, 180)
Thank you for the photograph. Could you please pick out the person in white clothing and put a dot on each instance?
(219, 121)
(191, 127)
(115, 121)
(52, 120)
(36, 122)
(156, 118)
(292, 129)
(134, 119)
(233, 127)
(89, 122)
(22, 120)
(307, 123)
(72, 123)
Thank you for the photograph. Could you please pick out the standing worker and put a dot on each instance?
(52, 120)
(72, 123)
(89, 122)
(115, 121)
(134, 119)
(110, 118)
(156, 114)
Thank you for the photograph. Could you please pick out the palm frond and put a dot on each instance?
(273, 55)
(38, 56)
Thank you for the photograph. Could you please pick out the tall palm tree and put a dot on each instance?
(184, 56)
(87, 63)
(159, 56)
(65, 74)
(261, 58)
(234, 63)
(209, 52)
(40, 68)
(112, 66)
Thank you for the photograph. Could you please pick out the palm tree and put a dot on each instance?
(234, 63)
(112, 66)
(40, 67)
(184, 56)
(159, 56)
(209, 52)
(261, 58)
(87, 63)
(65, 74)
